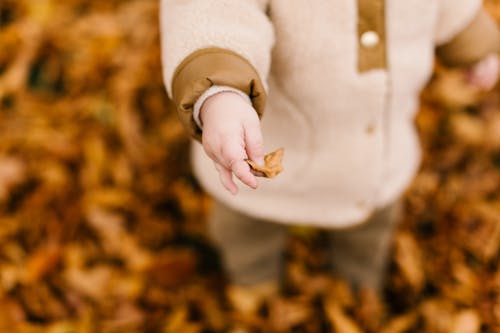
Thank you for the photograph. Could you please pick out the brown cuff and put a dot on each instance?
(480, 38)
(213, 66)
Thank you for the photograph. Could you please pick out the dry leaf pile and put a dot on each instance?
(102, 224)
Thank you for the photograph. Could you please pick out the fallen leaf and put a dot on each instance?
(340, 321)
(409, 260)
(272, 164)
(466, 321)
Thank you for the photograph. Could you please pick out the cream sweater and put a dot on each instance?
(347, 127)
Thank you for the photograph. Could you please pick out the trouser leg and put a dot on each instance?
(252, 248)
(360, 253)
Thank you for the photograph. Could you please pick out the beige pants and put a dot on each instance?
(252, 248)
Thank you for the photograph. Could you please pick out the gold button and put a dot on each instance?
(369, 39)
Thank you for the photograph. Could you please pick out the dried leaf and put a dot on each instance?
(438, 315)
(340, 321)
(42, 262)
(172, 267)
(401, 324)
(272, 164)
(466, 321)
(286, 313)
(247, 300)
(12, 172)
(178, 322)
(371, 310)
(409, 261)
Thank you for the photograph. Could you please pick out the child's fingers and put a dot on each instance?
(490, 71)
(254, 143)
(226, 178)
(233, 157)
(484, 75)
(241, 169)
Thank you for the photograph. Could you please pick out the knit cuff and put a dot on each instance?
(213, 90)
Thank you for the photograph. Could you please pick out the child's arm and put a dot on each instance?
(468, 37)
(231, 134)
(224, 43)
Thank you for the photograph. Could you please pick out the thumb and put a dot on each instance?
(254, 143)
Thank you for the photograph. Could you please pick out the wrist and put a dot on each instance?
(213, 90)
(220, 100)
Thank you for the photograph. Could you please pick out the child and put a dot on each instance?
(338, 81)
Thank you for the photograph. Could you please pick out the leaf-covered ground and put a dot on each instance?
(102, 226)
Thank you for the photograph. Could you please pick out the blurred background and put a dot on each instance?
(102, 224)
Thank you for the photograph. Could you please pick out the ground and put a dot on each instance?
(102, 226)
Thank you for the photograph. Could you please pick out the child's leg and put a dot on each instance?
(252, 249)
(360, 254)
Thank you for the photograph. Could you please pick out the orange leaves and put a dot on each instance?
(42, 262)
(102, 227)
(408, 258)
(172, 268)
(12, 172)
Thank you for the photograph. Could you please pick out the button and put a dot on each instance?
(369, 39)
(370, 129)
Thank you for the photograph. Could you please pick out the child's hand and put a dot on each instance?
(231, 134)
(484, 74)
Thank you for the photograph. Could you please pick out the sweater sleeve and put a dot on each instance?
(465, 33)
(214, 42)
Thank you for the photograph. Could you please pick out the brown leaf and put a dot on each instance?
(286, 313)
(12, 172)
(401, 324)
(272, 164)
(178, 321)
(481, 232)
(409, 260)
(466, 321)
(42, 262)
(127, 318)
(12, 312)
(468, 129)
(42, 302)
(437, 315)
(247, 299)
(92, 282)
(339, 319)
(371, 310)
(172, 267)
